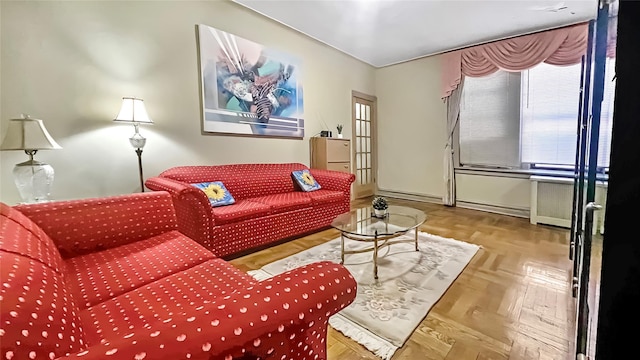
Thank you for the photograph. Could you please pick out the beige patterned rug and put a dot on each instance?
(387, 311)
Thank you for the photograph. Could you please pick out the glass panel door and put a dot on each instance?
(584, 200)
(363, 136)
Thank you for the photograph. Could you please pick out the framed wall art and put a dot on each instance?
(248, 89)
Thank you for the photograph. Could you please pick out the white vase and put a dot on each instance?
(379, 213)
(339, 136)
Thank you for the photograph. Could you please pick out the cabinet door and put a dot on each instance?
(338, 151)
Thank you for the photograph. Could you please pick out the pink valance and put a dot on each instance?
(564, 46)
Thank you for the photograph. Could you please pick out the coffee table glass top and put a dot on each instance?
(360, 222)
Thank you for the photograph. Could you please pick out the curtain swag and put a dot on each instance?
(564, 46)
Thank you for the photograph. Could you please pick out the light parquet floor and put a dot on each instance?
(513, 301)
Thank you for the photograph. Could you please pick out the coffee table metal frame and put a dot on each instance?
(379, 240)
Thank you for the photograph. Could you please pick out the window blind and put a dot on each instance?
(550, 101)
(490, 120)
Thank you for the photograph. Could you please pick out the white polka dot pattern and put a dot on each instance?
(240, 236)
(19, 236)
(198, 315)
(162, 297)
(242, 180)
(99, 276)
(87, 225)
(193, 207)
(241, 210)
(285, 202)
(38, 316)
(234, 228)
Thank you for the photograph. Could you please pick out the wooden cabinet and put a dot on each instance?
(331, 154)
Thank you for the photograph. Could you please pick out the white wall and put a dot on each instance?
(411, 127)
(70, 63)
(502, 192)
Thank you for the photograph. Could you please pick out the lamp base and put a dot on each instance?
(33, 179)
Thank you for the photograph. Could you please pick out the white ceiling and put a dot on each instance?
(385, 32)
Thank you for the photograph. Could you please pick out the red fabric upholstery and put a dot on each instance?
(286, 201)
(242, 209)
(243, 181)
(148, 307)
(227, 231)
(102, 275)
(323, 196)
(19, 236)
(160, 297)
(285, 317)
(39, 318)
(92, 221)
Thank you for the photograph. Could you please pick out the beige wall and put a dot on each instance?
(70, 63)
(503, 192)
(411, 127)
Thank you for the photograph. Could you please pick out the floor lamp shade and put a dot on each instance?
(33, 178)
(133, 111)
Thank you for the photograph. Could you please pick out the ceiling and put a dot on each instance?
(386, 32)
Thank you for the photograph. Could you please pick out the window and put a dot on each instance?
(517, 120)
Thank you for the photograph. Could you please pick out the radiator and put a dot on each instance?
(552, 202)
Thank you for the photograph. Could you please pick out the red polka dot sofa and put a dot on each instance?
(269, 207)
(112, 278)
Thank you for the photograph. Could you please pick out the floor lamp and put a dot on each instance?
(133, 111)
(33, 178)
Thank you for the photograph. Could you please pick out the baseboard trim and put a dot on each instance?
(410, 196)
(497, 209)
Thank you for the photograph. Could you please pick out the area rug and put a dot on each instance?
(387, 311)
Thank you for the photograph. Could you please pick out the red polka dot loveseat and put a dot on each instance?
(269, 207)
(112, 278)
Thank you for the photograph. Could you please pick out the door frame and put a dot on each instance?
(374, 137)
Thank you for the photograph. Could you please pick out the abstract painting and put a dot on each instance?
(248, 89)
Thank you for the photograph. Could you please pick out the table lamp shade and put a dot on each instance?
(28, 134)
(33, 178)
(133, 110)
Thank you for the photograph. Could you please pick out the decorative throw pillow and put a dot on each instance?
(216, 192)
(305, 180)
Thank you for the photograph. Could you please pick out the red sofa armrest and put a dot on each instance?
(193, 209)
(334, 180)
(266, 319)
(93, 224)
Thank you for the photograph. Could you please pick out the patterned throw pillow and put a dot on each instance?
(216, 192)
(305, 180)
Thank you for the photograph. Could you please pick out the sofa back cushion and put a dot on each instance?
(88, 225)
(242, 180)
(20, 235)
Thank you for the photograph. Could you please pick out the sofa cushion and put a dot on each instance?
(20, 235)
(284, 202)
(159, 303)
(216, 192)
(241, 210)
(305, 180)
(39, 316)
(323, 196)
(244, 181)
(99, 276)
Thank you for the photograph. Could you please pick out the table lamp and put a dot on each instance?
(33, 178)
(134, 111)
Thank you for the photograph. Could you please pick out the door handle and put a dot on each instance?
(593, 207)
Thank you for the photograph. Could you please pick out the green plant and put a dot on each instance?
(339, 127)
(379, 203)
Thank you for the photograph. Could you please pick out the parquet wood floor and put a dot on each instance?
(513, 301)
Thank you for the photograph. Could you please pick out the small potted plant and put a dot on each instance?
(380, 206)
(339, 127)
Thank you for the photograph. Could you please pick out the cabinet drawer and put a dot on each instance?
(338, 151)
(339, 166)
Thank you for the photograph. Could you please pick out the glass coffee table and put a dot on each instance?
(360, 225)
